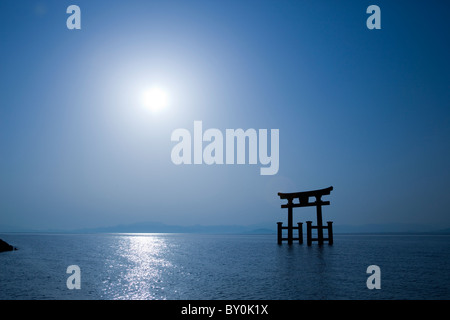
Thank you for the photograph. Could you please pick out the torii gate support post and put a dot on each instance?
(308, 233)
(330, 232)
(280, 232)
(300, 232)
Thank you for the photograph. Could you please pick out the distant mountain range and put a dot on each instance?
(158, 227)
(394, 228)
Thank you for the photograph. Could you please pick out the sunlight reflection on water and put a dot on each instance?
(142, 264)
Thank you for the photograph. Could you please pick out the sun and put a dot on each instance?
(155, 99)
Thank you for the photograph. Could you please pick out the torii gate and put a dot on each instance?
(304, 202)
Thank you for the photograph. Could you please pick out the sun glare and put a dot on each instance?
(155, 99)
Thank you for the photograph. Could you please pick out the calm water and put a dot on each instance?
(187, 266)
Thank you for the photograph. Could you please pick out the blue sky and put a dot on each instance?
(366, 111)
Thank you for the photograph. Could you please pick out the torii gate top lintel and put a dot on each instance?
(321, 192)
(304, 198)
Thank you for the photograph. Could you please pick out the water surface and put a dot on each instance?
(194, 266)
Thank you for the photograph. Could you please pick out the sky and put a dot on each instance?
(363, 110)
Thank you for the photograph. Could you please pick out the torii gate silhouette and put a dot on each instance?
(304, 202)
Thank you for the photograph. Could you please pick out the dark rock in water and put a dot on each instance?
(5, 246)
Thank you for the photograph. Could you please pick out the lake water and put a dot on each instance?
(225, 267)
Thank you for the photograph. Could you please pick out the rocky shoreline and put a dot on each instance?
(4, 246)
